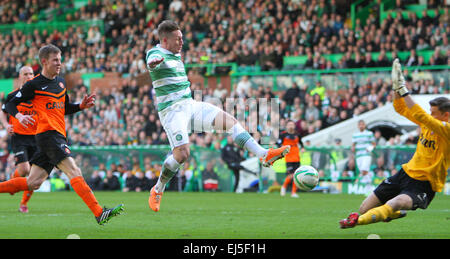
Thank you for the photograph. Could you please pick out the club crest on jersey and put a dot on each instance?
(66, 148)
(61, 85)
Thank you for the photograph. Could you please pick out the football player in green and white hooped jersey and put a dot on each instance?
(363, 142)
(179, 113)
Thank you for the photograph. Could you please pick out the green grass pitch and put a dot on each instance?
(212, 216)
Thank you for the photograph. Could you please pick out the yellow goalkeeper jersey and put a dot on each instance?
(432, 157)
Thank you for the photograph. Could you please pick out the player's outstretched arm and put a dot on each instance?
(398, 81)
(87, 102)
(154, 61)
(405, 105)
(401, 93)
(399, 84)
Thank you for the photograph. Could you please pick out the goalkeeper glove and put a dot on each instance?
(398, 81)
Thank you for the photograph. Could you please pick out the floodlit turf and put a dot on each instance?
(212, 215)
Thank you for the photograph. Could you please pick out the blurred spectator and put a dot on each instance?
(267, 60)
(312, 113)
(4, 152)
(220, 92)
(243, 87)
(2, 177)
(380, 169)
(210, 178)
(332, 117)
(144, 183)
(131, 182)
(350, 167)
(95, 181)
(319, 89)
(291, 93)
(110, 182)
(232, 155)
(379, 139)
(102, 169)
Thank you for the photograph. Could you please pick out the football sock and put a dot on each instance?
(84, 191)
(14, 185)
(375, 215)
(294, 188)
(395, 214)
(286, 182)
(169, 169)
(244, 140)
(26, 197)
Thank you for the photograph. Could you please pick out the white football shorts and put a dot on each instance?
(185, 117)
(363, 163)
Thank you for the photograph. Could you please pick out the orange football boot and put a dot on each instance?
(155, 199)
(274, 154)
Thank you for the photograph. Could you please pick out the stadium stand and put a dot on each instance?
(108, 39)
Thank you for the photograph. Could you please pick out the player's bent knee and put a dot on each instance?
(74, 172)
(69, 167)
(401, 202)
(34, 184)
(182, 153)
(183, 157)
(224, 121)
(370, 202)
(23, 169)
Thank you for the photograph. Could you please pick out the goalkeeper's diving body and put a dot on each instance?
(178, 111)
(415, 185)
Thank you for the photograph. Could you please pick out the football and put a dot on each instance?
(306, 177)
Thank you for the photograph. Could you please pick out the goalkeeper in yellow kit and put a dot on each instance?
(415, 185)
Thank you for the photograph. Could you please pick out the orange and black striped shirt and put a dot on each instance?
(25, 108)
(50, 101)
(293, 140)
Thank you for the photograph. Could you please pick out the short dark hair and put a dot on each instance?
(166, 27)
(45, 51)
(442, 103)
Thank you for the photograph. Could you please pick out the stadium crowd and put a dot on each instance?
(259, 33)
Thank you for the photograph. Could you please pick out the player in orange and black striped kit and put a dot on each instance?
(415, 185)
(48, 94)
(22, 138)
(292, 139)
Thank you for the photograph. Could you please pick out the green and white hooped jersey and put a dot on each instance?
(169, 78)
(362, 141)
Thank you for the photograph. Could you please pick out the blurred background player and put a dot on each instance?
(232, 155)
(363, 142)
(291, 138)
(415, 185)
(22, 138)
(48, 93)
(178, 111)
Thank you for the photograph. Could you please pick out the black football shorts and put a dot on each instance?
(400, 183)
(23, 147)
(291, 167)
(52, 149)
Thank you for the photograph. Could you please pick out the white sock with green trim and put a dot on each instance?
(245, 140)
(169, 169)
